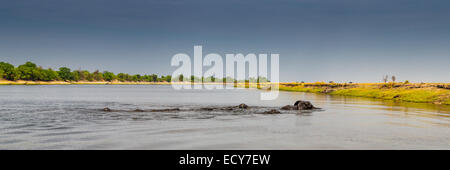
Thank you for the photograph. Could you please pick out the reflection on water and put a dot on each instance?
(72, 117)
(407, 108)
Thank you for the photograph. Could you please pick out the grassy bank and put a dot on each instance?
(436, 93)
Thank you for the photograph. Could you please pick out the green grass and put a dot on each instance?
(302, 89)
(418, 95)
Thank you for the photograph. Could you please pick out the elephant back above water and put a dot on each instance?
(303, 105)
(299, 105)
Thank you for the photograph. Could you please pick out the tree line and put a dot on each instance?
(31, 72)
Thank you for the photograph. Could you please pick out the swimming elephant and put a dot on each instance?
(289, 107)
(243, 106)
(299, 105)
(273, 111)
(303, 105)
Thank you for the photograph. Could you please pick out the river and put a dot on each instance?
(71, 117)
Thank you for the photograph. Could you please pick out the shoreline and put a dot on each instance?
(434, 93)
(20, 82)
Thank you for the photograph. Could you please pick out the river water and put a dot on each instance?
(71, 117)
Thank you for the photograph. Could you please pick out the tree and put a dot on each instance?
(87, 76)
(108, 76)
(79, 75)
(97, 76)
(181, 77)
(209, 79)
(385, 78)
(168, 78)
(27, 71)
(38, 74)
(65, 74)
(154, 77)
(2, 74)
(147, 78)
(393, 79)
(7, 71)
(121, 77)
(49, 75)
(136, 78)
(32, 72)
(75, 76)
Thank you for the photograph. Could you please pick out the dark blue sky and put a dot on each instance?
(318, 40)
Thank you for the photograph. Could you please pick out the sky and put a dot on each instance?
(317, 40)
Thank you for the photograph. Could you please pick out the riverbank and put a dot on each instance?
(436, 93)
(20, 82)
